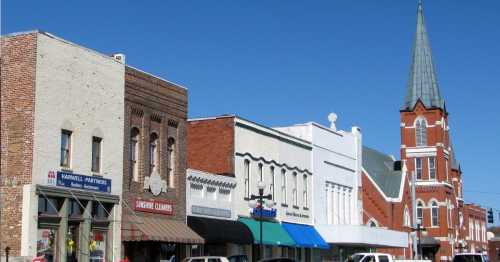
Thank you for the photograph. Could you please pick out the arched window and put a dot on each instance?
(434, 214)
(406, 217)
(246, 170)
(271, 185)
(283, 186)
(372, 222)
(420, 212)
(304, 191)
(421, 132)
(295, 194)
(153, 152)
(171, 162)
(134, 154)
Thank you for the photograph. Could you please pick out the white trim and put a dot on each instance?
(432, 183)
(412, 152)
(388, 199)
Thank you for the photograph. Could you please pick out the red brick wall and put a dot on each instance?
(494, 250)
(211, 145)
(18, 60)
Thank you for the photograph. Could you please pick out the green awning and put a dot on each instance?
(273, 233)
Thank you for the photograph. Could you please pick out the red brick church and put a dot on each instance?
(451, 226)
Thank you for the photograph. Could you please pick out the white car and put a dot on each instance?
(379, 257)
(206, 259)
(470, 257)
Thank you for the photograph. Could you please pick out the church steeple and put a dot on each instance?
(422, 84)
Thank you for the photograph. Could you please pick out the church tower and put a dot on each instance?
(426, 147)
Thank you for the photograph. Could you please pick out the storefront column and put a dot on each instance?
(62, 241)
(85, 227)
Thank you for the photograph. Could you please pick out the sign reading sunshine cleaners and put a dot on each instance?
(67, 179)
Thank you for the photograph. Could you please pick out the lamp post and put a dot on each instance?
(418, 230)
(260, 205)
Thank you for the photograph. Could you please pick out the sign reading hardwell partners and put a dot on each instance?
(67, 179)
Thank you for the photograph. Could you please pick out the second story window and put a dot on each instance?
(65, 148)
(418, 168)
(304, 191)
(134, 154)
(171, 161)
(421, 132)
(434, 214)
(246, 170)
(420, 212)
(294, 190)
(96, 154)
(271, 186)
(261, 175)
(283, 186)
(153, 152)
(432, 168)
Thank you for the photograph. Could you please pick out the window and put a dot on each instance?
(101, 210)
(65, 148)
(48, 205)
(372, 223)
(134, 154)
(383, 259)
(47, 244)
(418, 168)
(406, 217)
(153, 152)
(96, 154)
(171, 162)
(294, 190)
(432, 168)
(261, 176)
(76, 208)
(304, 191)
(421, 132)
(283, 186)
(420, 212)
(271, 186)
(446, 170)
(448, 213)
(246, 170)
(434, 214)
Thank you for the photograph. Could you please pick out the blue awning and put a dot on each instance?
(305, 236)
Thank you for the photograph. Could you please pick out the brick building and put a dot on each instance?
(154, 173)
(62, 113)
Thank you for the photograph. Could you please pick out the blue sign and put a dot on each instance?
(267, 213)
(99, 184)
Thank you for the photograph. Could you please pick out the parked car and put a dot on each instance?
(470, 257)
(378, 257)
(278, 259)
(238, 258)
(206, 259)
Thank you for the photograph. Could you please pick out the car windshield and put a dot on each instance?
(467, 258)
(356, 258)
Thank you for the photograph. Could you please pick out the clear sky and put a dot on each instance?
(285, 62)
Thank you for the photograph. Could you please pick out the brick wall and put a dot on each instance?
(18, 61)
(211, 145)
(155, 105)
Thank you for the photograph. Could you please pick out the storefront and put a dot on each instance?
(74, 224)
(150, 234)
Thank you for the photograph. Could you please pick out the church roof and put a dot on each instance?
(422, 84)
(380, 167)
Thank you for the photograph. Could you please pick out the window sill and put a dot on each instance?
(66, 169)
(97, 174)
(284, 205)
(305, 208)
(296, 207)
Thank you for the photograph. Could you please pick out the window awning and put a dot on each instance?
(219, 231)
(139, 228)
(305, 236)
(273, 233)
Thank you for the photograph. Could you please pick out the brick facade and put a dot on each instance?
(155, 105)
(18, 61)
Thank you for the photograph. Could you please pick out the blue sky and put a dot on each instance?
(285, 62)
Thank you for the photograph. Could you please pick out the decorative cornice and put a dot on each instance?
(273, 162)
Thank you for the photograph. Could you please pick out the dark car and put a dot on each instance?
(278, 259)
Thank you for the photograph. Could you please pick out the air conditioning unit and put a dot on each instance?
(119, 57)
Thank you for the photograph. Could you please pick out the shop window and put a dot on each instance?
(96, 154)
(153, 152)
(72, 245)
(171, 162)
(97, 247)
(134, 154)
(76, 208)
(65, 148)
(268, 251)
(418, 167)
(48, 205)
(101, 210)
(46, 244)
(432, 168)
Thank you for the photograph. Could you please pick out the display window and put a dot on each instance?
(72, 244)
(46, 244)
(97, 246)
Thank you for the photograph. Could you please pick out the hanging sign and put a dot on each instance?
(71, 180)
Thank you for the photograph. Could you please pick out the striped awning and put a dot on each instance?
(140, 228)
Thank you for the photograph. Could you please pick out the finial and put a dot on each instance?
(332, 117)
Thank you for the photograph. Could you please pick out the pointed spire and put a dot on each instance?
(422, 84)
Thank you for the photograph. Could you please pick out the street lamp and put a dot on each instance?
(418, 230)
(257, 201)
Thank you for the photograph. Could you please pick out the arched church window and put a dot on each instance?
(421, 132)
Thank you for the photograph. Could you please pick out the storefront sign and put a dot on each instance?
(154, 206)
(295, 214)
(67, 179)
(267, 213)
(210, 211)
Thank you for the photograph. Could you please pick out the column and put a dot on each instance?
(334, 209)
(328, 204)
(339, 207)
(335, 205)
(85, 227)
(63, 231)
